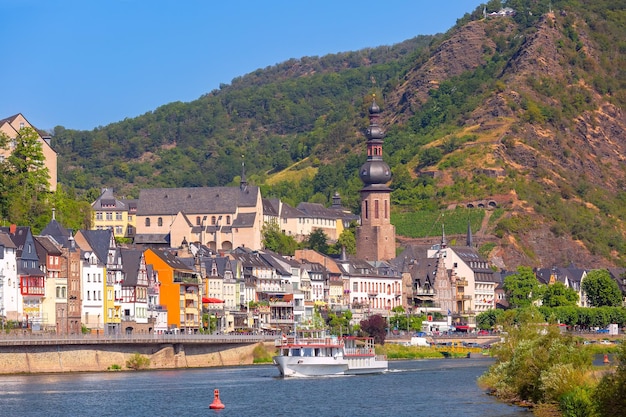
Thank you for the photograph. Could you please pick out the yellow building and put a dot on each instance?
(11, 127)
(118, 215)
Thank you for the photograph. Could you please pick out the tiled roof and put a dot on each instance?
(99, 240)
(170, 259)
(131, 260)
(170, 201)
(5, 240)
(244, 220)
(147, 238)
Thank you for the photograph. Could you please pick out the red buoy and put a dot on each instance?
(606, 358)
(216, 404)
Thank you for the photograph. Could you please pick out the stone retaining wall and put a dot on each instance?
(95, 358)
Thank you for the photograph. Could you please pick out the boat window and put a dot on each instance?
(308, 352)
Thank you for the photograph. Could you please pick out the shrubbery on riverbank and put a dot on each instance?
(539, 366)
(395, 351)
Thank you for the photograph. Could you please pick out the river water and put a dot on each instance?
(435, 388)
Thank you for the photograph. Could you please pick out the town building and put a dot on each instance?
(11, 127)
(29, 284)
(180, 290)
(221, 218)
(50, 261)
(10, 299)
(118, 215)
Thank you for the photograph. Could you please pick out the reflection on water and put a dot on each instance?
(410, 388)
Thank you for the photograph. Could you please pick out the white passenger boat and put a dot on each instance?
(313, 353)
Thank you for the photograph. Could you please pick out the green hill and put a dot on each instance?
(526, 111)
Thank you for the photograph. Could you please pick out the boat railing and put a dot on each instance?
(358, 351)
(291, 340)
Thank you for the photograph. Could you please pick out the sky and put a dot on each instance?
(82, 64)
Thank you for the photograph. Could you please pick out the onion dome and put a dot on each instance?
(375, 172)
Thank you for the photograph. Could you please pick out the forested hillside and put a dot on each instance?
(526, 110)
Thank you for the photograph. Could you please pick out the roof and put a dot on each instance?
(18, 238)
(45, 245)
(271, 206)
(107, 201)
(171, 260)
(154, 238)
(99, 240)
(210, 200)
(5, 240)
(244, 220)
(131, 262)
(58, 232)
(319, 211)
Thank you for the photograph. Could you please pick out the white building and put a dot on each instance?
(10, 299)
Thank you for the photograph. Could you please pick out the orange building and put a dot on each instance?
(180, 290)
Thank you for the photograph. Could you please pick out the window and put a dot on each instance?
(376, 209)
(147, 221)
(118, 215)
(109, 216)
(366, 209)
(160, 221)
(198, 221)
(119, 230)
(213, 220)
(227, 219)
(98, 215)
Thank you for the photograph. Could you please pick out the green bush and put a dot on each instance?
(137, 362)
(577, 403)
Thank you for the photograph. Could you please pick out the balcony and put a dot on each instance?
(372, 294)
(281, 304)
(128, 318)
(461, 283)
(463, 297)
(423, 291)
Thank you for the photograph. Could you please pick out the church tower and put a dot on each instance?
(376, 236)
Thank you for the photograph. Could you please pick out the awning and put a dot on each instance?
(461, 328)
(207, 300)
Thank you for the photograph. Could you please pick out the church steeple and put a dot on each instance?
(375, 172)
(243, 183)
(376, 236)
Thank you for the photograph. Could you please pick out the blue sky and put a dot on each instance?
(87, 63)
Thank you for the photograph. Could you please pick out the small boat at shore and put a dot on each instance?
(313, 353)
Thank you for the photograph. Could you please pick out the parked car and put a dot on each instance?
(483, 333)
(602, 331)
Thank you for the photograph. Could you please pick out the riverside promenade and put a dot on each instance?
(45, 353)
(43, 339)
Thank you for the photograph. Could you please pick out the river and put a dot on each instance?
(445, 387)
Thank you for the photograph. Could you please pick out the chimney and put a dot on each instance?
(12, 228)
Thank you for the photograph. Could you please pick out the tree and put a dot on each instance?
(375, 326)
(610, 394)
(346, 240)
(558, 294)
(488, 319)
(275, 240)
(601, 289)
(521, 288)
(318, 241)
(25, 181)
